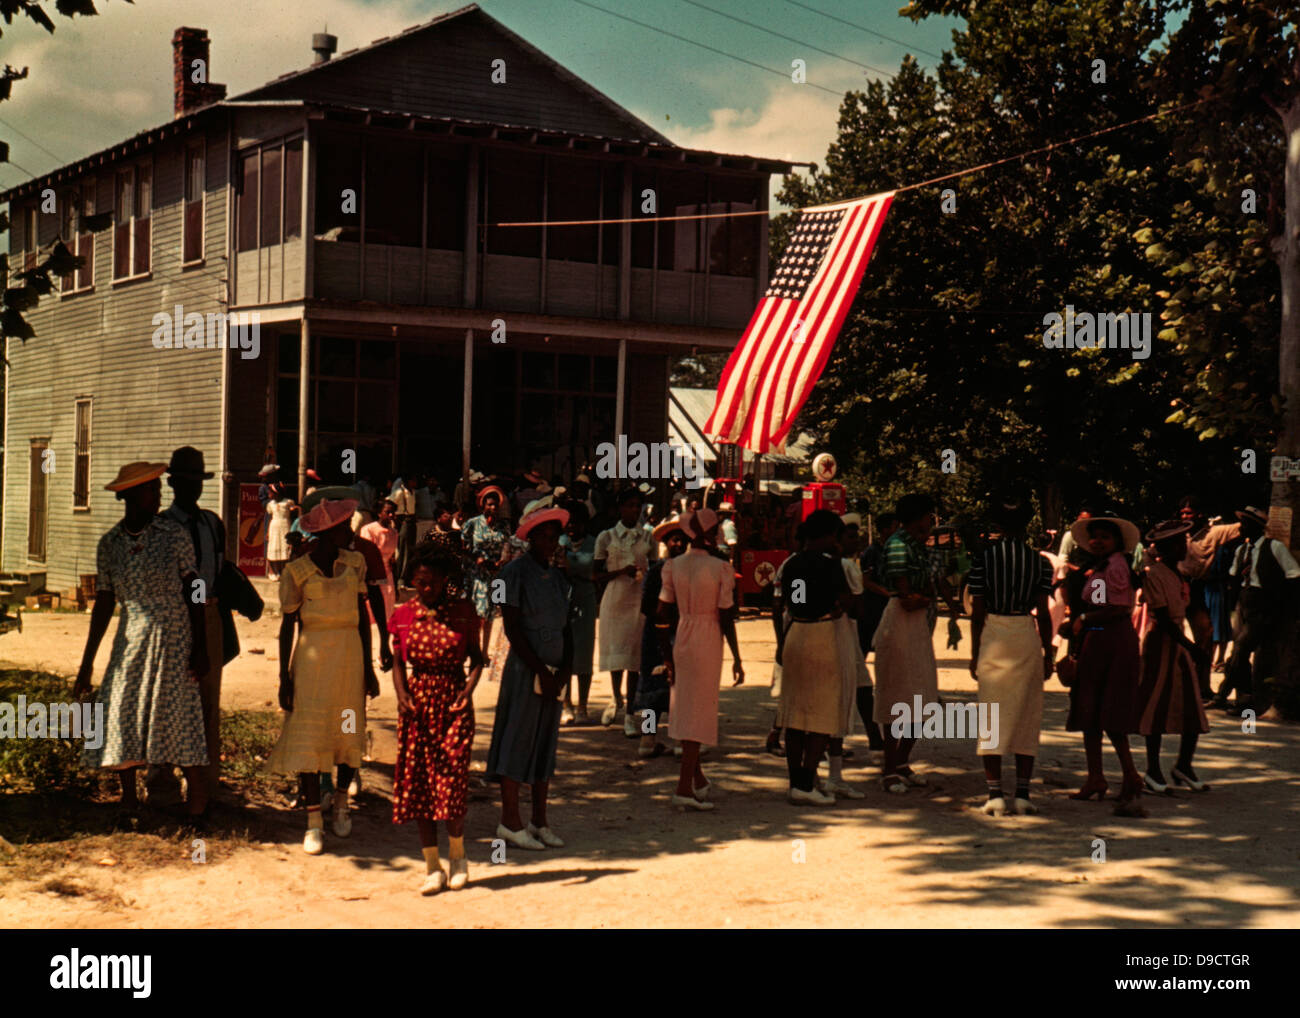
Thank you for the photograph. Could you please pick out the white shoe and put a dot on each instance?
(566, 716)
(995, 807)
(354, 789)
(630, 727)
(314, 842)
(520, 839)
(342, 822)
(690, 802)
(609, 714)
(545, 835)
(459, 873)
(912, 778)
(702, 793)
(435, 881)
(1023, 807)
(841, 789)
(812, 798)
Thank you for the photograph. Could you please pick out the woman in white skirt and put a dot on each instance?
(905, 665)
(621, 558)
(1011, 651)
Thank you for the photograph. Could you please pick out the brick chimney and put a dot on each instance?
(190, 45)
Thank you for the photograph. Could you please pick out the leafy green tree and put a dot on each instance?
(944, 346)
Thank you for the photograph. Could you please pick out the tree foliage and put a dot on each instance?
(943, 348)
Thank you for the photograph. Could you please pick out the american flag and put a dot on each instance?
(788, 341)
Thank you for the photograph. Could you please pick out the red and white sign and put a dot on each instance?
(252, 532)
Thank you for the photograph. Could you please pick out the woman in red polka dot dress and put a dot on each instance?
(434, 634)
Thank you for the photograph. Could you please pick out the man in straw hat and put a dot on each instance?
(186, 473)
(1266, 574)
(153, 710)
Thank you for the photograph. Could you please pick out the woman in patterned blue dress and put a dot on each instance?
(150, 693)
(485, 539)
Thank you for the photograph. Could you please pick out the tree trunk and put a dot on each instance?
(1287, 492)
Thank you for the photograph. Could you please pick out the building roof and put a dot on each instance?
(633, 136)
(688, 412)
(637, 129)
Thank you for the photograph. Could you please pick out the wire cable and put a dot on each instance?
(797, 42)
(869, 31)
(711, 49)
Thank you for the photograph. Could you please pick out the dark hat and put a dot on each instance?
(1254, 515)
(1166, 529)
(187, 462)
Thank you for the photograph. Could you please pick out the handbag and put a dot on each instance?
(1067, 670)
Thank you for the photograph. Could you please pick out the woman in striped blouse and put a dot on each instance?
(1011, 651)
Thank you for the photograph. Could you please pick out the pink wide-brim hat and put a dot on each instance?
(537, 518)
(701, 522)
(329, 513)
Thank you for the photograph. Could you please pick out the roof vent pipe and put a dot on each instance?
(324, 46)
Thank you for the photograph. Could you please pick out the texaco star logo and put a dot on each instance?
(764, 573)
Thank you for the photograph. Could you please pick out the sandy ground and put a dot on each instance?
(927, 859)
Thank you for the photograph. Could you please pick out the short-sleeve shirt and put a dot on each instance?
(1118, 583)
(456, 614)
(542, 597)
(145, 569)
(300, 572)
(1250, 552)
(1164, 588)
(852, 575)
(1010, 576)
(620, 547)
(697, 582)
(905, 558)
(821, 582)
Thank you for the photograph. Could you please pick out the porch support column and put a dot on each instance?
(304, 383)
(467, 406)
(618, 398)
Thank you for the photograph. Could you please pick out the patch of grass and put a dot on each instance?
(43, 764)
(247, 738)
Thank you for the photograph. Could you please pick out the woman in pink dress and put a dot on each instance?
(699, 586)
(383, 533)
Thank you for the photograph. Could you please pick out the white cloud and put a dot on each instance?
(98, 80)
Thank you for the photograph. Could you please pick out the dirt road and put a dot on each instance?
(1227, 858)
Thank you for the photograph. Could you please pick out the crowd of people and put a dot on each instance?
(583, 578)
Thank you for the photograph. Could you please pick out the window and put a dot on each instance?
(133, 203)
(81, 466)
(247, 219)
(272, 171)
(86, 239)
(394, 192)
(268, 194)
(68, 234)
(732, 243)
(37, 517)
(514, 194)
(681, 194)
(338, 169)
(447, 180)
(195, 181)
(31, 239)
(573, 192)
(643, 234)
(293, 189)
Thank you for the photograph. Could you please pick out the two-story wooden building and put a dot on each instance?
(349, 207)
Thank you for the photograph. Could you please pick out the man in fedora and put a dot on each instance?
(185, 475)
(1267, 576)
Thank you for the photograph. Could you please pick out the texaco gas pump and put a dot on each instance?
(823, 493)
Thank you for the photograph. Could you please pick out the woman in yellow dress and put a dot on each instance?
(326, 676)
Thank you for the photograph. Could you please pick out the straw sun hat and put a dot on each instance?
(134, 474)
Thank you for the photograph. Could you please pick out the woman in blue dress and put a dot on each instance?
(526, 729)
(485, 538)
